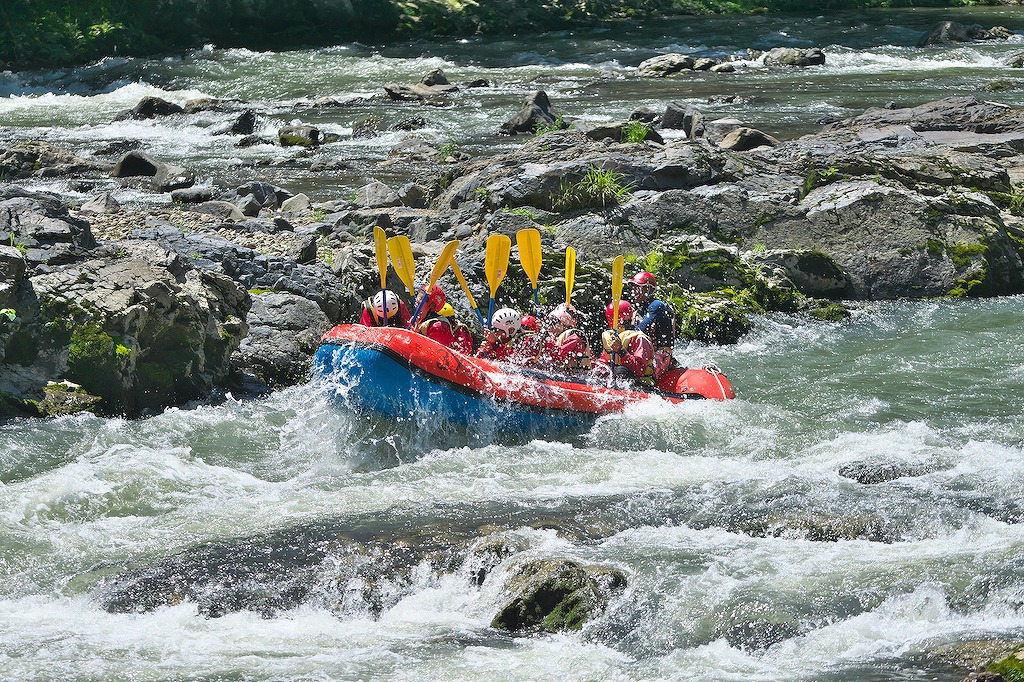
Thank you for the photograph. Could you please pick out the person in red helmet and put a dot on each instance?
(565, 347)
(384, 302)
(628, 353)
(654, 317)
(435, 301)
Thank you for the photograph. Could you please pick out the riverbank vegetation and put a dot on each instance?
(62, 32)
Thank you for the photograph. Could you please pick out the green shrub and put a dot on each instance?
(635, 131)
(598, 188)
(540, 128)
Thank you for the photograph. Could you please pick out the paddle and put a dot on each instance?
(465, 287)
(443, 261)
(380, 239)
(618, 265)
(570, 273)
(499, 248)
(530, 257)
(401, 257)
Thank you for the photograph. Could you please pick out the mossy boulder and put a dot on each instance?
(712, 319)
(139, 330)
(64, 397)
(555, 595)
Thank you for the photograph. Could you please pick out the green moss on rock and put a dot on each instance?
(833, 312)
(95, 364)
(1011, 668)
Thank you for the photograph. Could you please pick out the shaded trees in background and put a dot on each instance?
(63, 32)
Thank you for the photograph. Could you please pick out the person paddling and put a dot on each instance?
(565, 348)
(504, 325)
(384, 302)
(656, 318)
(628, 353)
(528, 343)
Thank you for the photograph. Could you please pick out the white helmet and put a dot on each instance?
(506, 320)
(382, 298)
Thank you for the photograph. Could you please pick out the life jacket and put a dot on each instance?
(437, 328)
(572, 351)
(637, 353)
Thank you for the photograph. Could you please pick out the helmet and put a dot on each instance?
(446, 310)
(385, 299)
(528, 322)
(644, 278)
(435, 298)
(566, 315)
(625, 313)
(506, 320)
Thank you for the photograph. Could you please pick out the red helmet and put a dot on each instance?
(644, 278)
(435, 298)
(625, 313)
(529, 322)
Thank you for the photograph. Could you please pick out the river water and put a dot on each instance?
(748, 555)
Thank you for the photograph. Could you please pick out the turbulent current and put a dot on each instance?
(753, 552)
(854, 510)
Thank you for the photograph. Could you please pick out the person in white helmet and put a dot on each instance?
(385, 300)
(504, 325)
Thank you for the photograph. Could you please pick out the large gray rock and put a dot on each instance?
(951, 32)
(665, 65)
(101, 204)
(962, 114)
(744, 139)
(538, 172)
(150, 107)
(40, 224)
(12, 265)
(813, 273)
(166, 177)
(682, 116)
(299, 136)
(433, 84)
(895, 243)
(794, 56)
(284, 332)
(377, 195)
(536, 111)
(20, 160)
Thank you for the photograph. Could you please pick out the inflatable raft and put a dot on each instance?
(400, 374)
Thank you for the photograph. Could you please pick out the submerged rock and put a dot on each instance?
(555, 595)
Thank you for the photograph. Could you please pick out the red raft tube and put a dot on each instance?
(399, 374)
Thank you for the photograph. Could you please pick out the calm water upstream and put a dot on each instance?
(718, 512)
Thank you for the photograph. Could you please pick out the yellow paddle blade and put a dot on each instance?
(443, 261)
(401, 257)
(499, 248)
(380, 239)
(570, 273)
(528, 241)
(618, 265)
(462, 280)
